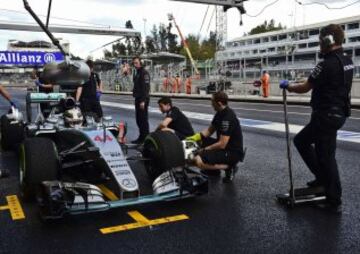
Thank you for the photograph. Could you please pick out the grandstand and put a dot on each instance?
(294, 50)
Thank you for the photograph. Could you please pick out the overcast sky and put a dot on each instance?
(189, 16)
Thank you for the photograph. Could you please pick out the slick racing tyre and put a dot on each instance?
(39, 162)
(11, 134)
(165, 151)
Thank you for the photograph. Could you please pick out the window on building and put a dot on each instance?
(354, 39)
(313, 44)
(353, 26)
(302, 46)
(282, 37)
(242, 43)
(357, 52)
(273, 38)
(314, 32)
(271, 49)
(255, 51)
(257, 41)
(343, 27)
(249, 42)
(265, 39)
(262, 51)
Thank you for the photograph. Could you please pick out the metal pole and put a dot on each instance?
(48, 14)
(288, 146)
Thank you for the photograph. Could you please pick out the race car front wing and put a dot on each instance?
(57, 198)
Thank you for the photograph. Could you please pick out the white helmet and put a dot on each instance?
(73, 117)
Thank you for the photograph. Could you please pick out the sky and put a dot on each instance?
(145, 13)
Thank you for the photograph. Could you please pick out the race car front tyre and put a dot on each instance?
(165, 151)
(12, 134)
(39, 162)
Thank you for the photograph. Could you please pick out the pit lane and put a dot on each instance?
(242, 217)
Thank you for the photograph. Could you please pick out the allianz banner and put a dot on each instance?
(29, 57)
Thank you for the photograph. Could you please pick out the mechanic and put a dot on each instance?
(175, 121)
(224, 152)
(141, 94)
(89, 94)
(4, 93)
(42, 88)
(330, 82)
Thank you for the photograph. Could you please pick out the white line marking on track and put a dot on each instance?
(348, 136)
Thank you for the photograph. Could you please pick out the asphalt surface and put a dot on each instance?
(241, 217)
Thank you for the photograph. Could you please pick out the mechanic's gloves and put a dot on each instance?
(196, 137)
(12, 104)
(284, 84)
(98, 95)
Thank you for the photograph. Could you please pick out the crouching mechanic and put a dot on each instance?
(224, 152)
(175, 121)
(89, 94)
(330, 82)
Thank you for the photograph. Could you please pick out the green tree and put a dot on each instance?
(266, 27)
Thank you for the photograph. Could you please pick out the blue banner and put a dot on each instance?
(29, 58)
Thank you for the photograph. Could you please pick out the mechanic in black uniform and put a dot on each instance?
(331, 82)
(88, 94)
(175, 120)
(42, 88)
(224, 152)
(141, 94)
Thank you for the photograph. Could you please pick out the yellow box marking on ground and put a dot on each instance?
(14, 207)
(108, 193)
(142, 221)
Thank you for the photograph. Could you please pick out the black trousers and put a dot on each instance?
(142, 118)
(316, 143)
(91, 107)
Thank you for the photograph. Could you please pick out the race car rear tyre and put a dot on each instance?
(11, 134)
(39, 162)
(165, 151)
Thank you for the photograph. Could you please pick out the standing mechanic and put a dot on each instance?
(224, 152)
(331, 82)
(141, 94)
(42, 88)
(89, 94)
(175, 120)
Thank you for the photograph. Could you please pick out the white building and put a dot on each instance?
(294, 50)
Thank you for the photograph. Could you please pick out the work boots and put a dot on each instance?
(230, 174)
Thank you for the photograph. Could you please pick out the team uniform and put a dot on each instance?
(331, 82)
(141, 94)
(225, 123)
(180, 123)
(88, 101)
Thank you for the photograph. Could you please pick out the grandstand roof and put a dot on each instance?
(299, 28)
(31, 44)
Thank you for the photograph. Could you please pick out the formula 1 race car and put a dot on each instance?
(66, 157)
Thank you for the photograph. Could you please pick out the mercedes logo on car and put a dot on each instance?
(128, 183)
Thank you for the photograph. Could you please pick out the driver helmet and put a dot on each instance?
(73, 117)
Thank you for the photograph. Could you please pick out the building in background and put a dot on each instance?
(290, 53)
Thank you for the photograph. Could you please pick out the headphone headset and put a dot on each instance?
(328, 40)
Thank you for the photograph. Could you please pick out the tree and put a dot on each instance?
(162, 37)
(128, 24)
(266, 27)
(172, 43)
